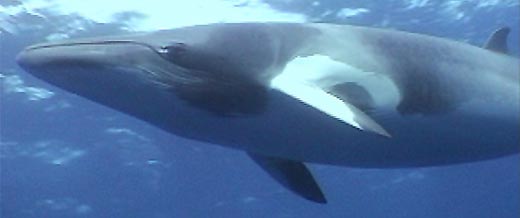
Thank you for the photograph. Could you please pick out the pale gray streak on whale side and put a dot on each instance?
(293, 93)
(422, 67)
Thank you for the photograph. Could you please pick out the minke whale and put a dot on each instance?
(292, 93)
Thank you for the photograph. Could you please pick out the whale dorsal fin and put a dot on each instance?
(497, 42)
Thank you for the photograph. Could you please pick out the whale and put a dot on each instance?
(290, 94)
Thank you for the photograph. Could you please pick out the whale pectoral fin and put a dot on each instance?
(497, 42)
(328, 103)
(354, 94)
(293, 175)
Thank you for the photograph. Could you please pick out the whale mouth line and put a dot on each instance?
(101, 42)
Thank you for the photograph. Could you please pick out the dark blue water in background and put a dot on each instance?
(63, 156)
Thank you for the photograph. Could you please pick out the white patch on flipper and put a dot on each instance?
(308, 79)
(322, 71)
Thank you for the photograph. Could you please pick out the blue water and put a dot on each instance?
(63, 156)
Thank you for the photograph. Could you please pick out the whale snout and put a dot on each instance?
(28, 59)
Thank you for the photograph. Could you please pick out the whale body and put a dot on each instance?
(289, 93)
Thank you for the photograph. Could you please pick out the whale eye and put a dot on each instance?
(173, 51)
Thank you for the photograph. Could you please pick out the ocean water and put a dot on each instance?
(63, 156)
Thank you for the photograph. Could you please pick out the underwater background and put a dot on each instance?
(64, 156)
